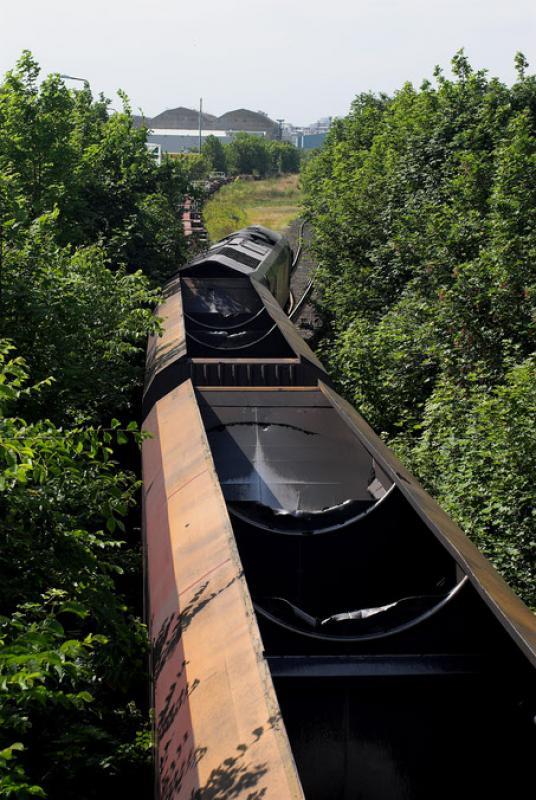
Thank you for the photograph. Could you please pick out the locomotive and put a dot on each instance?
(320, 628)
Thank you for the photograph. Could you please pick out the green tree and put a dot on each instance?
(73, 317)
(423, 210)
(62, 150)
(88, 223)
(71, 650)
(248, 155)
(285, 158)
(214, 152)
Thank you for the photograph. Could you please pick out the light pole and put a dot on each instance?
(72, 78)
(200, 120)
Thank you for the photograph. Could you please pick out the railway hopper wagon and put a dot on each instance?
(320, 628)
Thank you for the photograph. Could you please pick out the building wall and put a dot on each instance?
(183, 141)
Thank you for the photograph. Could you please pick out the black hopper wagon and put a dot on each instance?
(320, 627)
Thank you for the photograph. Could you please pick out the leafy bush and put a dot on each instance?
(478, 454)
(222, 215)
(253, 155)
(61, 150)
(71, 652)
(74, 318)
(214, 152)
(423, 206)
(88, 225)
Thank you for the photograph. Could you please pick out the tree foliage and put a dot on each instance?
(253, 155)
(60, 149)
(214, 152)
(284, 158)
(76, 319)
(248, 155)
(88, 228)
(424, 206)
(71, 652)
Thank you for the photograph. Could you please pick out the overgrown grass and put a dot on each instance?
(273, 203)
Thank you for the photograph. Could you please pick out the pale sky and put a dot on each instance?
(295, 59)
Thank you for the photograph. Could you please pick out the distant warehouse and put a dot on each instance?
(177, 130)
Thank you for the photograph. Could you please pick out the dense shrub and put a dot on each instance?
(214, 153)
(424, 209)
(77, 320)
(72, 654)
(59, 149)
(253, 155)
(88, 225)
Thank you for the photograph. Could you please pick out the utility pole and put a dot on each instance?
(200, 114)
(280, 123)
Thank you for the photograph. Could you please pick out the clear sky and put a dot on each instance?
(295, 59)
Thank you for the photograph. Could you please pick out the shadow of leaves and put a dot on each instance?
(232, 779)
(175, 624)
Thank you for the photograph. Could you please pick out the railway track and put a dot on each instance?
(304, 314)
(320, 627)
(299, 248)
(191, 213)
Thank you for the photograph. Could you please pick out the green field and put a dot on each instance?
(273, 203)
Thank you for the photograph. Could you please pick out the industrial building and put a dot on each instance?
(178, 130)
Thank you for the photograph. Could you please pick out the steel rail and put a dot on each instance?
(292, 303)
(293, 310)
(298, 252)
(302, 299)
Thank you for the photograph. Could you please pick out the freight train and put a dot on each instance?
(320, 628)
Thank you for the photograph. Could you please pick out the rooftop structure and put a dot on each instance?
(176, 130)
(187, 118)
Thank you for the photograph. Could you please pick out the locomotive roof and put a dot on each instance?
(251, 251)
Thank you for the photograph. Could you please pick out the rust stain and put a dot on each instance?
(171, 345)
(216, 714)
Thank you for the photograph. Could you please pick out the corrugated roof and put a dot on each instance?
(183, 118)
(241, 119)
(244, 120)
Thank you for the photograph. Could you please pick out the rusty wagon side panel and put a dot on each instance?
(218, 730)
